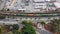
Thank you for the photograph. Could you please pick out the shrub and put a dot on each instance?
(15, 27)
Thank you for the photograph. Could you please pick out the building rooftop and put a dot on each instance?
(57, 4)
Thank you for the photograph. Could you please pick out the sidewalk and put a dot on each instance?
(42, 31)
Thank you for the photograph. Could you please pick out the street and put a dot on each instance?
(42, 31)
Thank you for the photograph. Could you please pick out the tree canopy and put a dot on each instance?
(55, 25)
(42, 22)
(15, 27)
(28, 29)
(2, 17)
(26, 22)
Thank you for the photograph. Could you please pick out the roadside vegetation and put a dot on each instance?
(53, 26)
(14, 29)
(2, 16)
(27, 28)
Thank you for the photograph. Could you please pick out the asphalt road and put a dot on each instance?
(42, 31)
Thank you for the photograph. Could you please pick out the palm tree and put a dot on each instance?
(43, 23)
(56, 25)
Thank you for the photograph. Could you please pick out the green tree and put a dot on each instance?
(15, 32)
(24, 22)
(55, 25)
(30, 23)
(2, 17)
(10, 32)
(43, 23)
(27, 22)
(2, 29)
(15, 27)
(28, 30)
(5, 9)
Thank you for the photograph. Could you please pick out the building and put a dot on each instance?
(30, 5)
(2, 4)
(57, 0)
